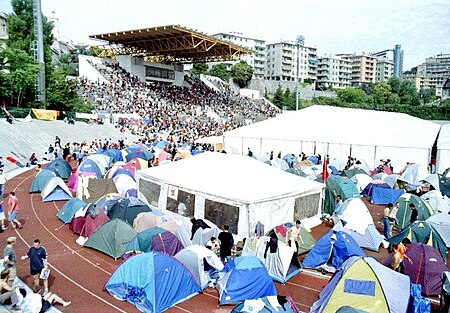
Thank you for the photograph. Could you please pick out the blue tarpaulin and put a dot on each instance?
(381, 195)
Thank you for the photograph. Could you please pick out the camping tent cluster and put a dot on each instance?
(159, 220)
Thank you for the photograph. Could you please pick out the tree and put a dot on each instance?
(368, 88)
(242, 73)
(408, 93)
(351, 95)
(394, 82)
(427, 95)
(63, 94)
(278, 97)
(19, 74)
(220, 70)
(66, 63)
(382, 93)
(199, 68)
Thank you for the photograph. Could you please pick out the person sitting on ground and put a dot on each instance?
(214, 245)
(8, 293)
(34, 302)
(33, 159)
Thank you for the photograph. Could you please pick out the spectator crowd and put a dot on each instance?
(185, 113)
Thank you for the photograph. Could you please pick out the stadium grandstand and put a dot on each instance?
(168, 100)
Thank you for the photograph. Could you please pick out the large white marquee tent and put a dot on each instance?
(232, 189)
(340, 132)
(443, 149)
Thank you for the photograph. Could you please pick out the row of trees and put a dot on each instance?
(19, 69)
(394, 92)
(241, 72)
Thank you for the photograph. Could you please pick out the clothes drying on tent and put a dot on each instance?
(198, 259)
(41, 180)
(244, 278)
(55, 190)
(422, 232)
(76, 179)
(153, 282)
(304, 244)
(424, 265)
(366, 285)
(279, 259)
(332, 250)
(112, 238)
(155, 239)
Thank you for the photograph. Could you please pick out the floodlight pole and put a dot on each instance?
(300, 40)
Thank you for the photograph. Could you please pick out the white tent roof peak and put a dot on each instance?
(238, 178)
(349, 126)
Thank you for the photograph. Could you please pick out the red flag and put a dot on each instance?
(325, 173)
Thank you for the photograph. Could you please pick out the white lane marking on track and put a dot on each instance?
(61, 273)
(298, 285)
(73, 251)
(75, 283)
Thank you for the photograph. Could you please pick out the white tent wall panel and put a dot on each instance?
(362, 128)
(199, 210)
(443, 160)
(443, 149)
(400, 156)
(270, 214)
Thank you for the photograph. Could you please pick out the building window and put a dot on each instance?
(183, 203)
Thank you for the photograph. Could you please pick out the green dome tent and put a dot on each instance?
(422, 232)
(337, 185)
(112, 238)
(404, 212)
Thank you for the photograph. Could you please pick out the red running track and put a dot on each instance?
(79, 274)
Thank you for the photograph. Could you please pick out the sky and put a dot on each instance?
(421, 27)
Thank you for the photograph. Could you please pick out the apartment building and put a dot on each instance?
(363, 68)
(434, 72)
(333, 72)
(256, 60)
(282, 59)
(385, 69)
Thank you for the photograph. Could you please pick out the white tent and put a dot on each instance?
(443, 149)
(356, 215)
(438, 201)
(193, 258)
(55, 190)
(367, 134)
(281, 264)
(232, 189)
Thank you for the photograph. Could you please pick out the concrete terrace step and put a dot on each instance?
(20, 139)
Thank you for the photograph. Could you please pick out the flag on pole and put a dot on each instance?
(325, 173)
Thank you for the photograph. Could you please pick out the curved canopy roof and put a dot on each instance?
(171, 44)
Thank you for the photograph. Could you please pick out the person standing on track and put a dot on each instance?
(38, 262)
(9, 257)
(13, 210)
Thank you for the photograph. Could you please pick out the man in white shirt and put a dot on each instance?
(2, 184)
